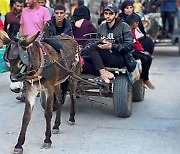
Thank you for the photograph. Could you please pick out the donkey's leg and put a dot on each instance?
(48, 116)
(58, 111)
(73, 86)
(30, 97)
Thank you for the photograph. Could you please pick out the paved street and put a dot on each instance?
(153, 128)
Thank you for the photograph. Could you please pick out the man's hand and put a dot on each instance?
(105, 45)
(1, 43)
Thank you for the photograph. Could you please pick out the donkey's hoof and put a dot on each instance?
(18, 151)
(55, 131)
(71, 123)
(46, 145)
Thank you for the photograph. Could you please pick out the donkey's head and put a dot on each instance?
(18, 57)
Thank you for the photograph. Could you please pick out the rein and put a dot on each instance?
(39, 70)
(77, 39)
(37, 75)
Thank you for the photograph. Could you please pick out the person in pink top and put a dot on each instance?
(33, 19)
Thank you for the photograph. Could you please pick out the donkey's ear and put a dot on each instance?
(4, 37)
(30, 39)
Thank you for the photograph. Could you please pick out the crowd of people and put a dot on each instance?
(120, 32)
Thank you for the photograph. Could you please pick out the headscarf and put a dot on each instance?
(124, 16)
(81, 12)
(125, 4)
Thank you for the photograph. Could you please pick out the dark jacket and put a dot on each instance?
(11, 24)
(86, 27)
(140, 25)
(82, 25)
(82, 12)
(124, 16)
(167, 5)
(150, 6)
(50, 28)
(120, 35)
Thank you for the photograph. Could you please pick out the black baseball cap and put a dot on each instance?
(112, 7)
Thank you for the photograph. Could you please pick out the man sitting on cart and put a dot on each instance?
(115, 41)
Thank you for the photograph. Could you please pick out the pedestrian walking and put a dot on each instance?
(12, 19)
(39, 16)
(43, 3)
(168, 12)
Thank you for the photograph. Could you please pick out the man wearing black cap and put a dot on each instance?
(116, 41)
(56, 26)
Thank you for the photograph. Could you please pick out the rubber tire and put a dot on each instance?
(138, 92)
(122, 96)
(43, 101)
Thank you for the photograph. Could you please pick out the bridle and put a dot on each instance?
(24, 55)
(26, 72)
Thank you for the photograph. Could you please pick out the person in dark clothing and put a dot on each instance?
(57, 26)
(150, 6)
(58, 23)
(82, 25)
(80, 2)
(116, 41)
(178, 12)
(82, 11)
(12, 19)
(103, 4)
(30, 27)
(168, 12)
(139, 53)
(146, 42)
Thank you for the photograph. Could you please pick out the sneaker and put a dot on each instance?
(21, 97)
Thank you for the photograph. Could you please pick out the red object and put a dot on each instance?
(145, 23)
(1, 24)
(178, 3)
(137, 44)
(81, 60)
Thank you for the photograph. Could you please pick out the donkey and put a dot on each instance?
(42, 68)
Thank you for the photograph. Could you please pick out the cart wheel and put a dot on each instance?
(122, 96)
(43, 101)
(138, 92)
(179, 44)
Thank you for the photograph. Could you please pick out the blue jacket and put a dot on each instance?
(168, 5)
